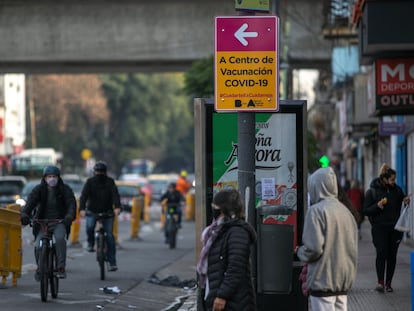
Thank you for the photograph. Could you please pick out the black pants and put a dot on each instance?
(386, 241)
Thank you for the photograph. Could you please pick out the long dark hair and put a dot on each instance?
(230, 203)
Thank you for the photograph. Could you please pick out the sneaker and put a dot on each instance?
(37, 275)
(90, 249)
(113, 268)
(389, 289)
(379, 288)
(61, 273)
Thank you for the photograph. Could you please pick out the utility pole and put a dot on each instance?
(32, 115)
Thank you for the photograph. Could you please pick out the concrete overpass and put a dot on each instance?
(71, 36)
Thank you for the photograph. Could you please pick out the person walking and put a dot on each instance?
(330, 244)
(382, 205)
(51, 199)
(224, 266)
(100, 195)
(356, 195)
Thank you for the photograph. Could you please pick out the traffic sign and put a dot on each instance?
(246, 63)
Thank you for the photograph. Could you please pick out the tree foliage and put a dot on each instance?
(149, 117)
(117, 116)
(67, 109)
(199, 79)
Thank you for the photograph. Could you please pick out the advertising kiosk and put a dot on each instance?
(280, 190)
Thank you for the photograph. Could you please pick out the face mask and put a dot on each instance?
(216, 213)
(52, 181)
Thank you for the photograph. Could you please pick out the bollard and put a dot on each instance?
(115, 229)
(147, 209)
(190, 206)
(412, 279)
(163, 212)
(75, 228)
(136, 217)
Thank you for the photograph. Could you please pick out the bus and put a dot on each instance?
(31, 162)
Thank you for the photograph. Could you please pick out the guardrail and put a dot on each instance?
(11, 246)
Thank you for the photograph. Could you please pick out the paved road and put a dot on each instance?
(82, 289)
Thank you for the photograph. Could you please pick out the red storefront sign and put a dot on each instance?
(394, 86)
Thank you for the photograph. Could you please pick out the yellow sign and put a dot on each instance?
(86, 154)
(246, 80)
(252, 5)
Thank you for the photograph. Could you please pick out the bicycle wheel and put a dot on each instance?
(172, 232)
(54, 280)
(100, 254)
(44, 274)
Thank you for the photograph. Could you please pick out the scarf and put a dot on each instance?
(208, 236)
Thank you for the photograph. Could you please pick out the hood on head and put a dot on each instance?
(322, 184)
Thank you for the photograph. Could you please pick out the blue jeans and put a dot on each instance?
(107, 224)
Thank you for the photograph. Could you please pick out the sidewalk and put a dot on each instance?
(362, 297)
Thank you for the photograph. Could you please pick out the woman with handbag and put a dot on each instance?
(382, 205)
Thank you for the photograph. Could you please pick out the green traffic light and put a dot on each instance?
(324, 161)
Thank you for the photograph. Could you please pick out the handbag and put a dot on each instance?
(403, 223)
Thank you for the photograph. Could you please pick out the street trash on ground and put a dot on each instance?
(111, 290)
(172, 280)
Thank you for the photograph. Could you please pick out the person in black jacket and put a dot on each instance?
(382, 205)
(174, 200)
(224, 266)
(100, 195)
(51, 199)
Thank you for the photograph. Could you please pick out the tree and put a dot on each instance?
(199, 79)
(68, 111)
(148, 113)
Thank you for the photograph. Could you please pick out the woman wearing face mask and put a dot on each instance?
(51, 199)
(382, 205)
(224, 265)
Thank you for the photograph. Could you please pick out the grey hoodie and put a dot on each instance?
(330, 238)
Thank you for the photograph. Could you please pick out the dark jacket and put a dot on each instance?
(174, 200)
(389, 215)
(228, 273)
(99, 194)
(37, 202)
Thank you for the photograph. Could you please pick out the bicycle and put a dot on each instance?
(172, 226)
(47, 260)
(101, 243)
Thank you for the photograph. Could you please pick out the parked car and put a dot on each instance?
(10, 189)
(75, 182)
(28, 187)
(128, 191)
(142, 182)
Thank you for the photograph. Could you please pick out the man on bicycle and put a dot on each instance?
(100, 195)
(51, 199)
(173, 200)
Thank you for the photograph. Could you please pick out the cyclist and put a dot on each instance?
(100, 195)
(51, 199)
(174, 200)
